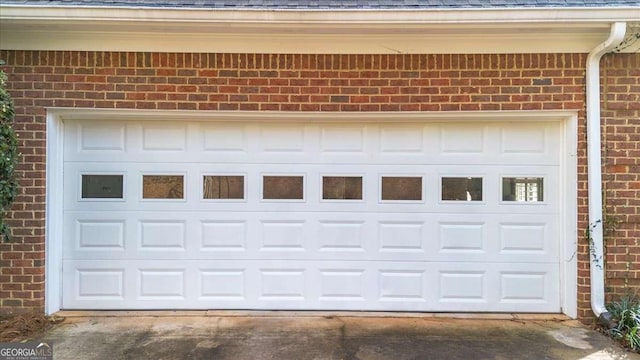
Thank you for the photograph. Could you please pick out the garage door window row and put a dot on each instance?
(291, 187)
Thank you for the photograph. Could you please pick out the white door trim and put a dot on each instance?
(54, 168)
(569, 220)
(54, 213)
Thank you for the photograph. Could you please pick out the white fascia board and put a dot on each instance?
(477, 43)
(315, 31)
(320, 16)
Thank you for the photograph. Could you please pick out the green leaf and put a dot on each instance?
(9, 155)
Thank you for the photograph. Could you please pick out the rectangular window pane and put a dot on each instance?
(462, 188)
(102, 186)
(223, 187)
(522, 189)
(282, 187)
(401, 188)
(163, 187)
(342, 187)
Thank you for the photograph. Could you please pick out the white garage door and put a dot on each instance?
(359, 216)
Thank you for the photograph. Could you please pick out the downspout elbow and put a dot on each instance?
(594, 165)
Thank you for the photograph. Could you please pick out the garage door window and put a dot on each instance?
(342, 187)
(163, 187)
(399, 188)
(462, 189)
(102, 186)
(523, 189)
(221, 187)
(282, 187)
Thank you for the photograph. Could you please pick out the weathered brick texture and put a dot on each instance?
(271, 82)
(621, 160)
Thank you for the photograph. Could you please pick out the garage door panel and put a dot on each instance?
(161, 141)
(163, 137)
(454, 216)
(343, 236)
(222, 284)
(223, 235)
(161, 284)
(312, 235)
(463, 239)
(193, 199)
(495, 286)
(230, 140)
(107, 141)
(99, 234)
(460, 139)
(529, 139)
(324, 285)
(509, 238)
(105, 235)
(98, 139)
(401, 236)
(403, 140)
(371, 176)
(518, 238)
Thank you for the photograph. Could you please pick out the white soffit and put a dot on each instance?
(293, 31)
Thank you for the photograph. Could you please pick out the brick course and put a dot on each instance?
(621, 179)
(279, 82)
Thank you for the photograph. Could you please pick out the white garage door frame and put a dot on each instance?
(56, 117)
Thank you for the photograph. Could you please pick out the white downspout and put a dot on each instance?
(594, 165)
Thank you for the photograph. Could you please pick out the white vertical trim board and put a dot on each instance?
(54, 212)
(569, 214)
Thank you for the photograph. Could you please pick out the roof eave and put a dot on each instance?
(307, 31)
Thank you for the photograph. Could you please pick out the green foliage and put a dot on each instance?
(8, 155)
(626, 315)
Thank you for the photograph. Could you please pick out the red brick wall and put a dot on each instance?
(621, 159)
(289, 83)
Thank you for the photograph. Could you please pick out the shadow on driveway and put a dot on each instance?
(325, 337)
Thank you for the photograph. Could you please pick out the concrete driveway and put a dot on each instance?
(299, 336)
